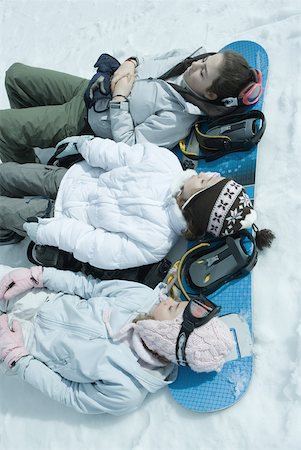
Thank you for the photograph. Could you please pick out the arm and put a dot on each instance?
(117, 396)
(69, 282)
(88, 287)
(107, 154)
(103, 153)
(19, 281)
(165, 128)
(100, 248)
(127, 69)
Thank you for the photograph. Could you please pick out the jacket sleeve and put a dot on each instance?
(100, 248)
(88, 287)
(70, 282)
(107, 154)
(114, 396)
(162, 128)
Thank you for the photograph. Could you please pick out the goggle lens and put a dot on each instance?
(201, 307)
(198, 311)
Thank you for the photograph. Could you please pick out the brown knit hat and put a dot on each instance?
(220, 210)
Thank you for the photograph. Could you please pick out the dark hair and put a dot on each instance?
(235, 74)
(192, 233)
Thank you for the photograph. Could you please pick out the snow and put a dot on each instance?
(239, 378)
(69, 35)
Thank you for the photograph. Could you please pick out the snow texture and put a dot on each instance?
(239, 378)
(69, 35)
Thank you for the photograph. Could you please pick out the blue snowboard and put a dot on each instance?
(216, 391)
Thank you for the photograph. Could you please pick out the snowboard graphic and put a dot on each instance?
(215, 391)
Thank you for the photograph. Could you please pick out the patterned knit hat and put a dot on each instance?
(222, 209)
(206, 349)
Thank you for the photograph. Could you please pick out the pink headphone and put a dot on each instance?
(249, 94)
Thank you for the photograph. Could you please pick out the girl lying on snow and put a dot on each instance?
(122, 207)
(69, 351)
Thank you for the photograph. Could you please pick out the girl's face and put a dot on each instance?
(168, 309)
(201, 74)
(198, 183)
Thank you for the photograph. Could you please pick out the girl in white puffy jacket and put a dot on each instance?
(121, 207)
(116, 209)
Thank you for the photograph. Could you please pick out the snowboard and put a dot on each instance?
(208, 392)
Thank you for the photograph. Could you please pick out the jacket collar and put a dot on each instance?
(177, 221)
(176, 218)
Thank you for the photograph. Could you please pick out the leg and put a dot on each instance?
(16, 211)
(19, 180)
(37, 185)
(41, 126)
(30, 86)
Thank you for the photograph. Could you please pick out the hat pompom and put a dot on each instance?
(264, 238)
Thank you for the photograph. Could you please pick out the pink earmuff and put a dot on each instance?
(252, 92)
(249, 94)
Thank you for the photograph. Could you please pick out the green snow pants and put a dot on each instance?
(27, 190)
(46, 107)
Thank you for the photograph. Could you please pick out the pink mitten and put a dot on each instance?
(11, 342)
(20, 280)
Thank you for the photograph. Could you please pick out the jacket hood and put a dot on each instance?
(177, 220)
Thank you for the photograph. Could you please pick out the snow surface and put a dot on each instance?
(69, 35)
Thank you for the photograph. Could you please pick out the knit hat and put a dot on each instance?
(221, 209)
(206, 349)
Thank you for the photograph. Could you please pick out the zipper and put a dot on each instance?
(83, 331)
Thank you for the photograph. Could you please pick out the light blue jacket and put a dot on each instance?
(74, 361)
(155, 112)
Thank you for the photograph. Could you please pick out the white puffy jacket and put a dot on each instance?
(117, 208)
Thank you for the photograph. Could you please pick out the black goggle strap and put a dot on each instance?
(197, 313)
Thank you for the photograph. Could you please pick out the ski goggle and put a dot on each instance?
(252, 92)
(198, 312)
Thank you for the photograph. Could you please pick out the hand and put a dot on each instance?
(70, 145)
(31, 229)
(11, 342)
(126, 70)
(123, 87)
(20, 280)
